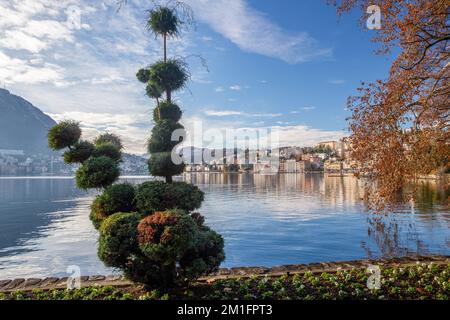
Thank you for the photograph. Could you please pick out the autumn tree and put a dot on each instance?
(400, 125)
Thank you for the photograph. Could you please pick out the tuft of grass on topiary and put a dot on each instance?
(97, 173)
(106, 138)
(116, 198)
(64, 135)
(167, 111)
(118, 239)
(159, 196)
(108, 150)
(163, 21)
(79, 153)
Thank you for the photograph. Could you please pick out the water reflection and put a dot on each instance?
(265, 220)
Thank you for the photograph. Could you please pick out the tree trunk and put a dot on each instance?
(165, 47)
(168, 93)
(169, 179)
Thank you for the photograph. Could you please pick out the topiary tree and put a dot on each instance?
(166, 75)
(147, 231)
(64, 135)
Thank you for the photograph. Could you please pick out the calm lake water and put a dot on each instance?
(265, 220)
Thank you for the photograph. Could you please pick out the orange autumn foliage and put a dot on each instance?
(400, 126)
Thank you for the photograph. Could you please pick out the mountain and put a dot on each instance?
(22, 125)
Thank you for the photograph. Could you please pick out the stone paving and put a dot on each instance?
(223, 273)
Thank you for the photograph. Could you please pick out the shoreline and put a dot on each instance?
(118, 281)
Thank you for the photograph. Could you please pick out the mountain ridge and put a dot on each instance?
(22, 125)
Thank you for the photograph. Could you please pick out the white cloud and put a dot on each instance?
(235, 88)
(226, 113)
(253, 32)
(220, 89)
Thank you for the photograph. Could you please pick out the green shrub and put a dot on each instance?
(108, 150)
(153, 91)
(97, 173)
(160, 164)
(118, 239)
(161, 139)
(116, 198)
(167, 111)
(64, 135)
(79, 153)
(107, 138)
(159, 196)
(143, 75)
(163, 20)
(180, 250)
(170, 76)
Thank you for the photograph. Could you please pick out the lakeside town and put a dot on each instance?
(327, 156)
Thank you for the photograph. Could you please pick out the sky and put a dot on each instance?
(287, 66)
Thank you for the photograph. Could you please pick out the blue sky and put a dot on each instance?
(286, 65)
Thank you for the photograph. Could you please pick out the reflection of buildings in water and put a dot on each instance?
(343, 190)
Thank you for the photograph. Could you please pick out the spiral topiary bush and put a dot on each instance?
(148, 231)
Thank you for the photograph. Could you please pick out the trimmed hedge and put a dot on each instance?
(159, 196)
(116, 198)
(97, 173)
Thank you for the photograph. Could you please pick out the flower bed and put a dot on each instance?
(421, 281)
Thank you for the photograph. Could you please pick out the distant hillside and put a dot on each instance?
(22, 125)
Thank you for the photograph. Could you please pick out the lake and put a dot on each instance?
(265, 221)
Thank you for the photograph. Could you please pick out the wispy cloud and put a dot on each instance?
(235, 88)
(253, 32)
(227, 113)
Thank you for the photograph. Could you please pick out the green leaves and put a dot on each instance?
(79, 153)
(159, 196)
(106, 138)
(161, 165)
(161, 139)
(167, 111)
(163, 21)
(64, 135)
(118, 239)
(97, 173)
(170, 76)
(116, 198)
